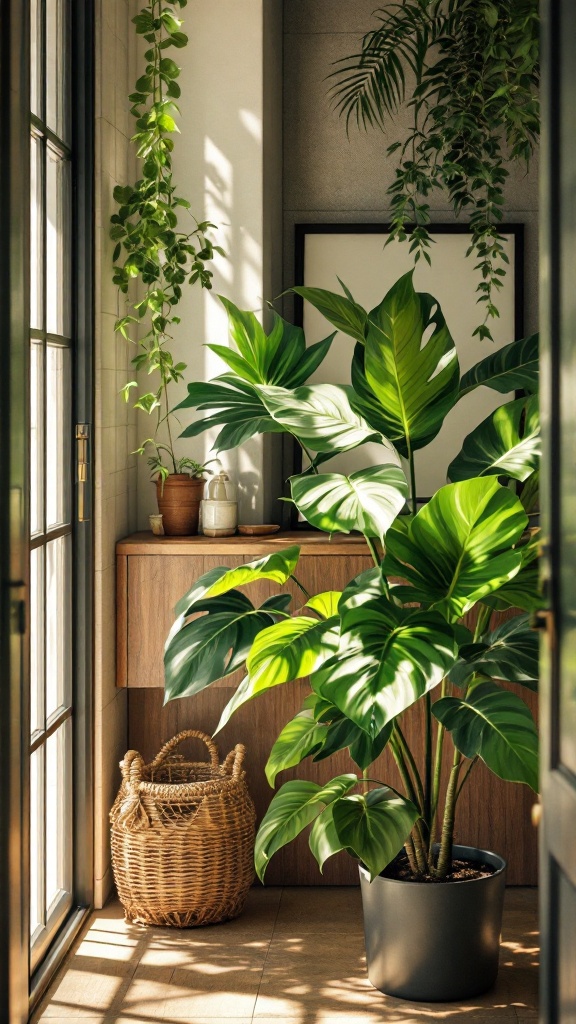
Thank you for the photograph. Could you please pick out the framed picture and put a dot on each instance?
(356, 253)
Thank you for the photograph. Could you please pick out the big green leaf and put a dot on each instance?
(293, 807)
(509, 652)
(411, 365)
(388, 657)
(256, 348)
(459, 547)
(214, 644)
(512, 368)
(300, 737)
(368, 500)
(286, 651)
(320, 415)
(237, 408)
(340, 310)
(497, 726)
(374, 825)
(506, 443)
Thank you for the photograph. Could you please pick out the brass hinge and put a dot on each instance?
(82, 463)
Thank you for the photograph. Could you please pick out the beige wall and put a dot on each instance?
(227, 162)
(329, 177)
(114, 426)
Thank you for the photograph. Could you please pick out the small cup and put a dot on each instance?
(156, 525)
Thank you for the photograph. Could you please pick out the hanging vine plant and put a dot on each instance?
(474, 76)
(152, 246)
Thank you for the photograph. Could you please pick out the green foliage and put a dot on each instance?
(394, 635)
(279, 358)
(506, 443)
(474, 108)
(368, 500)
(495, 725)
(509, 652)
(151, 245)
(295, 805)
(388, 657)
(459, 548)
(511, 368)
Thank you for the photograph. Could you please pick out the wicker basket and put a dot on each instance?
(183, 837)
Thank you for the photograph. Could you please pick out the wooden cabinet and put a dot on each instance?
(153, 573)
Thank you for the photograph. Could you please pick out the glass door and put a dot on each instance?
(52, 369)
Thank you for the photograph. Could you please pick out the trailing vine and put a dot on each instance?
(475, 65)
(151, 246)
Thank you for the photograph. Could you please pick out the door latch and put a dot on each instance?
(82, 463)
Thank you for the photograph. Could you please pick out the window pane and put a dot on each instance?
(58, 624)
(36, 243)
(36, 840)
(58, 435)
(57, 243)
(57, 59)
(36, 57)
(58, 813)
(36, 439)
(36, 639)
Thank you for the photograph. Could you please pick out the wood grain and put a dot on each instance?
(122, 620)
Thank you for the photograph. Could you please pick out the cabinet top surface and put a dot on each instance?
(311, 543)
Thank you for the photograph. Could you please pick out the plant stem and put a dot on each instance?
(428, 764)
(365, 779)
(373, 551)
(306, 593)
(437, 771)
(445, 855)
(407, 755)
(466, 774)
(411, 854)
(483, 621)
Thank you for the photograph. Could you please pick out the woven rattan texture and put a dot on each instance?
(183, 837)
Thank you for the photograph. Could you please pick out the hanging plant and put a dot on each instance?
(474, 64)
(152, 245)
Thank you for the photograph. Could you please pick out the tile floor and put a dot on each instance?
(296, 956)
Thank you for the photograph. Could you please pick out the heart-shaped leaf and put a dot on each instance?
(214, 644)
(388, 658)
(509, 652)
(293, 807)
(506, 443)
(495, 725)
(374, 825)
(524, 590)
(277, 567)
(320, 415)
(512, 368)
(324, 841)
(368, 500)
(299, 738)
(362, 748)
(459, 547)
(411, 365)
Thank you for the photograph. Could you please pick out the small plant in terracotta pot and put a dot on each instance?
(179, 493)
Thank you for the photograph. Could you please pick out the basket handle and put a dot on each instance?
(131, 766)
(233, 762)
(188, 734)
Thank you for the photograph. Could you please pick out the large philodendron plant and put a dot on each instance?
(401, 631)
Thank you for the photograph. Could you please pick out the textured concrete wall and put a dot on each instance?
(115, 422)
(329, 177)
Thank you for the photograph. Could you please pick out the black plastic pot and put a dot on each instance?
(434, 942)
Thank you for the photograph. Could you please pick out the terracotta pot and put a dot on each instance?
(179, 503)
